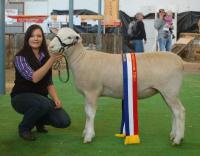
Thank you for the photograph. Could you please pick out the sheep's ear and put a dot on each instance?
(54, 30)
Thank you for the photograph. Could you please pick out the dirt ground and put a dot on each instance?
(10, 75)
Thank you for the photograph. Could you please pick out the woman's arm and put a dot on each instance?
(52, 92)
(41, 72)
(158, 24)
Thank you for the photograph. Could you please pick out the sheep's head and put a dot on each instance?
(65, 38)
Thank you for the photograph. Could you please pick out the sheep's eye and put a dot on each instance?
(69, 38)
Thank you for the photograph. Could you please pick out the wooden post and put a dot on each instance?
(2, 47)
(199, 25)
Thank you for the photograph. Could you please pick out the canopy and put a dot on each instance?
(29, 18)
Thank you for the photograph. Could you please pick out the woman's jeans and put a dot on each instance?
(137, 45)
(38, 110)
(165, 44)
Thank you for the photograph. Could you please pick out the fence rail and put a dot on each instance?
(111, 43)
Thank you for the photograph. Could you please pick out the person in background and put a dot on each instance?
(137, 34)
(33, 83)
(168, 18)
(164, 37)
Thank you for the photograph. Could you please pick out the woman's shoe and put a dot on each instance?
(26, 135)
(41, 129)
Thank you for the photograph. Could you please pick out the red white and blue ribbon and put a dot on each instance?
(129, 124)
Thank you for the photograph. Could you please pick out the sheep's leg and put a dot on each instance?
(178, 124)
(179, 114)
(173, 131)
(90, 109)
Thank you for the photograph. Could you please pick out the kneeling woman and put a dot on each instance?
(33, 83)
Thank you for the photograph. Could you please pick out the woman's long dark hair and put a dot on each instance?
(26, 49)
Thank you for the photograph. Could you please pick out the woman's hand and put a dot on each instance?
(55, 57)
(57, 103)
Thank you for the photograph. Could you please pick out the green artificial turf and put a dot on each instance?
(154, 127)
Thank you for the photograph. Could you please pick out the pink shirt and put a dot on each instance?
(168, 20)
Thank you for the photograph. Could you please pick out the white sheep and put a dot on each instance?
(100, 74)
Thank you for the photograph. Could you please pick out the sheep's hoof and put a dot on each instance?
(173, 144)
(172, 136)
(88, 137)
(87, 140)
(176, 142)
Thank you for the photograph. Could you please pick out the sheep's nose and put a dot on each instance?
(51, 46)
